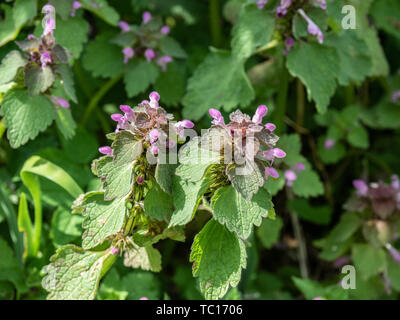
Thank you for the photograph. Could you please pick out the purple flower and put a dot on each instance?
(269, 171)
(165, 30)
(361, 187)
(75, 6)
(125, 27)
(260, 113)
(140, 179)
(270, 126)
(170, 143)
(395, 181)
(329, 143)
(129, 114)
(114, 251)
(58, 101)
(312, 28)
(261, 4)
(154, 149)
(146, 17)
(299, 167)
(282, 8)
(154, 98)
(45, 58)
(289, 43)
(290, 176)
(50, 26)
(153, 134)
(395, 96)
(31, 37)
(128, 54)
(181, 125)
(106, 150)
(218, 118)
(149, 54)
(163, 61)
(319, 298)
(117, 117)
(322, 4)
(393, 252)
(274, 153)
(341, 261)
(144, 298)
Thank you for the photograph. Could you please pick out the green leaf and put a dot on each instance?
(146, 258)
(102, 58)
(358, 137)
(269, 232)
(135, 285)
(103, 10)
(317, 214)
(164, 175)
(238, 214)
(65, 227)
(218, 257)
(380, 66)
(273, 186)
(384, 115)
(312, 289)
(10, 269)
(187, 196)
(194, 160)
(25, 116)
(139, 75)
(65, 123)
(15, 17)
(38, 79)
(291, 144)
(393, 272)
(158, 204)
(171, 94)
(247, 178)
(170, 47)
(10, 65)
(67, 80)
(82, 148)
(101, 219)
(324, 63)
(219, 81)
(339, 239)
(386, 16)
(126, 148)
(253, 30)
(355, 62)
(117, 180)
(74, 274)
(368, 260)
(308, 184)
(332, 155)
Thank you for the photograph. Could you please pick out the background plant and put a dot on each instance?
(331, 93)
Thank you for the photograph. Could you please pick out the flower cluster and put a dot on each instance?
(383, 199)
(144, 40)
(43, 54)
(251, 141)
(151, 123)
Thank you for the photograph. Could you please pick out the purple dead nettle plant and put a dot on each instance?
(380, 204)
(144, 41)
(44, 59)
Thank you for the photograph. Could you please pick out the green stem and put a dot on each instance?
(280, 111)
(215, 23)
(2, 127)
(98, 96)
(300, 103)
